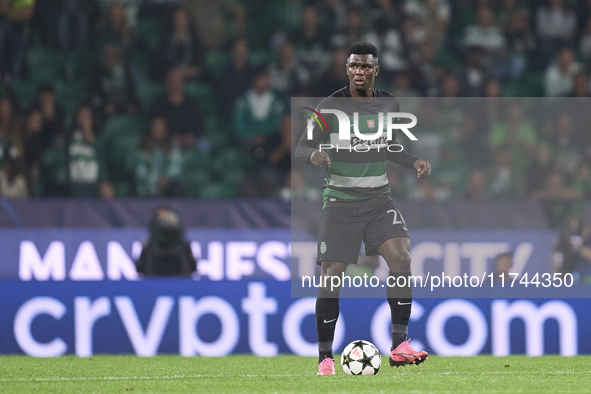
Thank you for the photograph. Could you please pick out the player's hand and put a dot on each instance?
(318, 157)
(423, 168)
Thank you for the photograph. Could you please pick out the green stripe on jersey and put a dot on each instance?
(357, 169)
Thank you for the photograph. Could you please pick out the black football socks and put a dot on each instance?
(400, 300)
(327, 313)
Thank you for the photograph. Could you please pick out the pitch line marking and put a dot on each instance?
(61, 379)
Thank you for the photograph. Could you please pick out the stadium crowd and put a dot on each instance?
(121, 98)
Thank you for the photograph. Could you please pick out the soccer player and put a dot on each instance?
(357, 206)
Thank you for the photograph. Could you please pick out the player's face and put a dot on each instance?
(362, 70)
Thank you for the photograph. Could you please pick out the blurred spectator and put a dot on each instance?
(433, 131)
(381, 14)
(237, 76)
(472, 75)
(452, 172)
(131, 8)
(488, 36)
(502, 266)
(567, 157)
(541, 165)
(492, 88)
(428, 191)
(268, 180)
(505, 180)
(558, 79)
(391, 50)
(113, 27)
(84, 162)
(296, 188)
(420, 42)
(159, 163)
(506, 11)
(13, 182)
(6, 90)
(15, 17)
(585, 40)
(431, 15)
(279, 148)
(334, 78)
(335, 14)
(311, 42)
(556, 25)
(424, 72)
(286, 75)
(285, 18)
(180, 48)
(53, 114)
(573, 249)
(10, 127)
(44, 21)
(106, 191)
(354, 29)
(449, 86)
(218, 22)
(40, 138)
(167, 252)
(556, 189)
(492, 110)
(582, 179)
(477, 187)
(181, 112)
(258, 114)
(113, 89)
(521, 41)
(471, 140)
(413, 35)
(517, 132)
(556, 198)
(580, 86)
(73, 25)
(401, 86)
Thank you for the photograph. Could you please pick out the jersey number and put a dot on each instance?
(396, 221)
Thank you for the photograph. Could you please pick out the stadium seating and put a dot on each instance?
(147, 92)
(216, 61)
(204, 94)
(25, 91)
(44, 64)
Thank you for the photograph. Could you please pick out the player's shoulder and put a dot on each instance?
(329, 101)
(382, 93)
(343, 92)
(392, 101)
(346, 93)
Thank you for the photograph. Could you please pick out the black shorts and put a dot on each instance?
(342, 228)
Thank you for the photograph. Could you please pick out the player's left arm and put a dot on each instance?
(410, 161)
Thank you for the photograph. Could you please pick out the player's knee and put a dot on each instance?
(400, 262)
(332, 275)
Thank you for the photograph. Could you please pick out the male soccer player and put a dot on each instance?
(357, 205)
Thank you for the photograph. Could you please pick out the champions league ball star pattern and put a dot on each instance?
(361, 358)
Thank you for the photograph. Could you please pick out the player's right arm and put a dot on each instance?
(307, 149)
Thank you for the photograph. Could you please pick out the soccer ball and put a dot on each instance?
(361, 358)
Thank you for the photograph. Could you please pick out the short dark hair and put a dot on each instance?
(362, 48)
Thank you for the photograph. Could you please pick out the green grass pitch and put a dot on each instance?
(237, 374)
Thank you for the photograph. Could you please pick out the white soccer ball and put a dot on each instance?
(361, 358)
